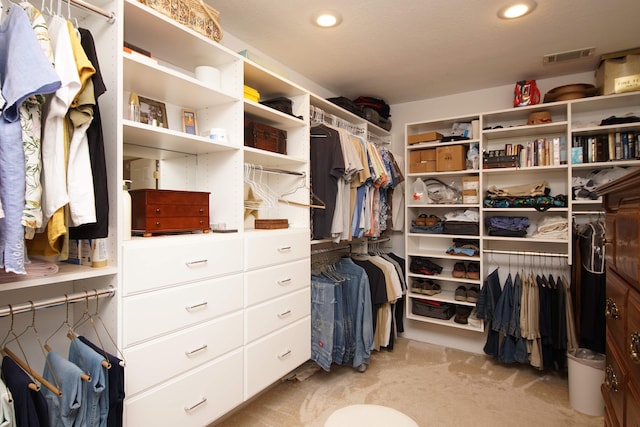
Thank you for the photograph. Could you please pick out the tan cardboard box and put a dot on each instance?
(422, 161)
(470, 183)
(451, 158)
(618, 75)
(470, 196)
(424, 137)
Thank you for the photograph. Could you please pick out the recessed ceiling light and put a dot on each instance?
(516, 10)
(327, 19)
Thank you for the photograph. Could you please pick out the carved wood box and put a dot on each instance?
(168, 211)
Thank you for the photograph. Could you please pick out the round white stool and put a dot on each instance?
(370, 416)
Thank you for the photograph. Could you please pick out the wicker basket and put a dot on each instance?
(195, 14)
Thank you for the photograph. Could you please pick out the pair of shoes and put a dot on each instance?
(427, 220)
(426, 287)
(473, 293)
(462, 314)
(460, 294)
(473, 319)
(473, 271)
(424, 266)
(459, 270)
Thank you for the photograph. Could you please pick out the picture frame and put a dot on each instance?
(153, 112)
(189, 122)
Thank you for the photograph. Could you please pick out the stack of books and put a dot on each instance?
(605, 147)
(251, 94)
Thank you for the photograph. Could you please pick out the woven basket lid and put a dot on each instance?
(571, 91)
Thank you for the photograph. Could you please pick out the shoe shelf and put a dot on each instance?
(444, 255)
(449, 322)
(444, 296)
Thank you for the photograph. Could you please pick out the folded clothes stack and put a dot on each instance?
(507, 226)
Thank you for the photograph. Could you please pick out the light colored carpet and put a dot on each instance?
(433, 385)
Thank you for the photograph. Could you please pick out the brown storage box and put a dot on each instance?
(451, 158)
(264, 137)
(168, 211)
(424, 137)
(271, 224)
(421, 161)
(617, 74)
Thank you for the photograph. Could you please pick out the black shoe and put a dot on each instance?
(462, 314)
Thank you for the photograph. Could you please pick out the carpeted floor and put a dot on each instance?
(433, 385)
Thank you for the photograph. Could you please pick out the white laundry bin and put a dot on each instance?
(370, 416)
(586, 375)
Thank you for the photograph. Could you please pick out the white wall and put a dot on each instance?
(492, 99)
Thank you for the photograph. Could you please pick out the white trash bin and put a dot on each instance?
(586, 375)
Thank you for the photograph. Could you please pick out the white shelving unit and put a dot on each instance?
(580, 117)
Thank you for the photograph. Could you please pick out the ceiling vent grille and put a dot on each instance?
(568, 56)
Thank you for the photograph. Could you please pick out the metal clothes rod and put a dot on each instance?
(588, 212)
(325, 250)
(54, 302)
(274, 170)
(111, 17)
(547, 254)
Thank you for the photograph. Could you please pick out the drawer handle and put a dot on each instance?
(610, 379)
(284, 249)
(196, 263)
(192, 407)
(197, 306)
(634, 347)
(284, 282)
(284, 314)
(157, 210)
(611, 309)
(285, 354)
(192, 352)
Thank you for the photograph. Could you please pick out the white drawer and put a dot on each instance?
(159, 262)
(272, 315)
(195, 399)
(276, 247)
(155, 313)
(154, 362)
(272, 282)
(270, 358)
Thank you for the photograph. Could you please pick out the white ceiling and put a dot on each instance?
(407, 50)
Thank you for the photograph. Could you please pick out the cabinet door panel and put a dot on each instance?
(196, 399)
(616, 306)
(152, 363)
(149, 315)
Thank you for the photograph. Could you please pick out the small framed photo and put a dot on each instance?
(153, 112)
(189, 123)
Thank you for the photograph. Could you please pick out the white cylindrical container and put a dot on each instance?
(210, 76)
(125, 224)
(218, 134)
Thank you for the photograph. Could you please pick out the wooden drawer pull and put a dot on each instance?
(192, 352)
(611, 309)
(285, 354)
(196, 306)
(284, 282)
(610, 379)
(284, 314)
(192, 407)
(196, 263)
(284, 249)
(634, 347)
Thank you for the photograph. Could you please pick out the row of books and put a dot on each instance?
(605, 147)
(539, 152)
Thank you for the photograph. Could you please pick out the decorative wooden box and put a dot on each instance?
(168, 211)
(264, 137)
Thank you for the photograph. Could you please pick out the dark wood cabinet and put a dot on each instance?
(621, 390)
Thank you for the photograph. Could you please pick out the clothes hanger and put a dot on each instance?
(90, 318)
(4, 350)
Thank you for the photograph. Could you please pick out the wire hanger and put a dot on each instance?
(24, 364)
(91, 319)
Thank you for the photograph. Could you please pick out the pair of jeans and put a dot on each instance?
(63, 411)
(358, 313)
(323, 304)
(96, 401)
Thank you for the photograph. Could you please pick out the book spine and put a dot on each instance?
(563, 151)
(556, 151)
(625, 145)
(618, 143)
(611, 141)
(632, 145)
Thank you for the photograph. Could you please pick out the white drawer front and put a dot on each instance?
(148, 315)
(156, 262)
(265, 318)
(275, 355)
(276, 247)
(272, 282)
(152, 363)
(195, 399)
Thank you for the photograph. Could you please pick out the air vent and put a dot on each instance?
(568, 56)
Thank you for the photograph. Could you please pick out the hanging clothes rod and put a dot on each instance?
(588, 212)
(334, 249)
(547, 254)
(274, 170)
(54, 302)
(111, 17)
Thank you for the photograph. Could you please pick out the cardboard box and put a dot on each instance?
(451, 158)
(421, 161)
(619, 73)
(424, 137)
(470, 196)
(470, 183)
